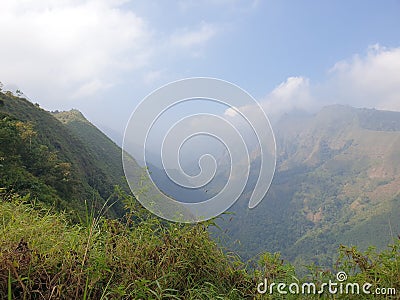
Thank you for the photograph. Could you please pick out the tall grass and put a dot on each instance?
(45, 256)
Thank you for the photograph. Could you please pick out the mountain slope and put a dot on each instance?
(90, 177)
(337, 182)
(103, 150)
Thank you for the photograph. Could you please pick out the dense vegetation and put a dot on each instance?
(44, 256)
(42, 156)
(337, 182)
(105, 152)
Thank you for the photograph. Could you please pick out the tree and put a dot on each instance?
(26, 131)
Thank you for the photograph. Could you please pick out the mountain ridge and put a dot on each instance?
(337, 182)
(95, 166)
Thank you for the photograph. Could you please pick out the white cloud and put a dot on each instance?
(90, 88)
(76, 47)
(188, 38)
(293, 94)
(231, 112)
(369, 81)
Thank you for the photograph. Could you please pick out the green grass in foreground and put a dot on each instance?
(44, 256)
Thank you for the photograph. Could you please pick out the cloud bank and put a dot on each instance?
(78, 46)
(371, 80)
(74, 49)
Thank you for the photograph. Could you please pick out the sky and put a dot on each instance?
(104, 56)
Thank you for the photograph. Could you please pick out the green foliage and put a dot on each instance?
(104, 258)
(44, 256)
(381, 269)
(41, 156)
(28, 167)
(105, 152)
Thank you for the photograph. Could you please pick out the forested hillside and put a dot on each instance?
(104, 151)
(337, 182)
(54, 162)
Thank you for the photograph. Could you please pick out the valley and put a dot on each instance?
(64, 195)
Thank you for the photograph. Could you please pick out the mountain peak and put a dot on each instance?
(70, 116)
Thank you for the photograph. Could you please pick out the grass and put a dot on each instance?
(45, 256)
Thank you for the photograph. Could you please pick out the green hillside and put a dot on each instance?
(104, 151)
(337, 182)
(56, 163)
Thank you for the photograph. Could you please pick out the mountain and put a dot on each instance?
(104, 151)
(337, 179)
(337, 182)
(67, 161)
(60, 160)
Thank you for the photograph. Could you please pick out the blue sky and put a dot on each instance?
(102, 57)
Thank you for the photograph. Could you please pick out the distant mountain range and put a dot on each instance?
(337, 182)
